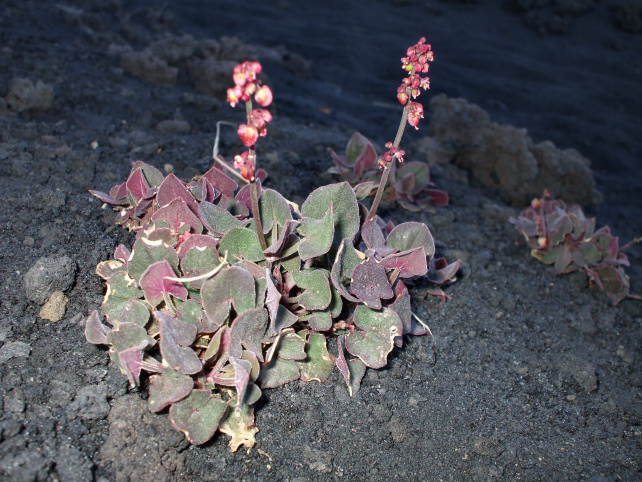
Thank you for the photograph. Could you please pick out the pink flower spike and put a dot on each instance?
(263, 96)
(244, 165)
(248, 134)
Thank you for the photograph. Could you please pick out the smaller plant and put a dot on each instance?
(564, 237)
(410, 182)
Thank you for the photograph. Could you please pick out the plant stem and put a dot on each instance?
(386, 170)
(256, 213)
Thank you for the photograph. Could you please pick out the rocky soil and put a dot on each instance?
(529, 376)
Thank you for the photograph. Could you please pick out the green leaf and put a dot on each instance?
(248, 331)
(291, 346)
(317, 235)
(352, 370)
(167, 388)
(231, 287)
(198, 415)
(316, 286)
(318, 364)
(120, 290)
(243, 244)
(190, 312)
(153, 176)
(274, 210)
(407, 236)
(374, 339)
(146, 253)
(345, 262)
(339, 198)
(181, 358)
(278, 372)
(216, 219)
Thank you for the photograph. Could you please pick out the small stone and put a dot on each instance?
(28, 241)
(168, 168)
(13, 350)
(48, 275)
(55, 308)
(570, 398)
(24, 95)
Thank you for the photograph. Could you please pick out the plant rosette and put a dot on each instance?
(229, 290)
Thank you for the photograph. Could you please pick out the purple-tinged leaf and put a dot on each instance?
(119, 192)
(137, 186)
(221, 181)
(131, 362)
(374, 339)
(236, 208)
(172, 188)
(95, 331)
(248, 331)
(242, 369)
(317, 366)
(373, 237)
(219, 344)
(167, 388)
(317, 235)
(197, 241)
(231, 287)
(180, 358)
(122, 253)
(106, 198)
(284, 319)
(164, 235)
(370, 283)
(178, 217)
(407, 236)
(190, 312)
(280, 245)
(352, 370)
(136, 312)
(440, 271)
(153, 176)
(344, 264)
(436, 197)
(272, 298)
(183, 333)
(409, 263)
(156, 285)
(198, 415)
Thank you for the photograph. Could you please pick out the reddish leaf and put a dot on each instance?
(409, 263)
(155, 285)
(178, 215)
(370, 283)
(172, 188)
(137, 186)
(221, 181)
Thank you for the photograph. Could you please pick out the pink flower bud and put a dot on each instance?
(248, 134)
(245, 166)
(234, 95)
(403, 98)
(263, 96)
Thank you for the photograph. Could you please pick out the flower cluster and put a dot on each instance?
(247, 85)
(415, 63)
(390, 155)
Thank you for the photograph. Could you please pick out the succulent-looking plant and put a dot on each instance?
(564, 237)
(410, 181)
(213, 313)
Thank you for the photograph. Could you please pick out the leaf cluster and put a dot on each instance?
(213, 318)
(411, 186)
(564, 237)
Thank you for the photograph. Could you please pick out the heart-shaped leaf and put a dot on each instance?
(342, 201)
(407, 236)
(291, 346)
(216, 219)
(136, 312)
(156, 285)
(178, 217)
(221, 181)
(198, 415)
(316, 288)
(373, 237)
(278, 372)
(190, 312)
(183, 333)
(120, 289)
(318, 365)
(284, 319)
(248, 331)
(137, 186)
(231, 287)
(370, 283)
(146, 252)
(95, 331)
(152, 175)
(374, 339)
(242, 244)
(167, 388)
(181, 358)
(408, 263)
(274, 210)
(317, 235)
(172, 188)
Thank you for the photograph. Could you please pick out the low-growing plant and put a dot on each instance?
(228, 290)
(410, 182)
(564, 237)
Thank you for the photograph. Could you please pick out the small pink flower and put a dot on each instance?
(248, 134)
(263, 96)
(415, 112)
(234, 95)
(403, 98)
(390, 155)
(244, 165)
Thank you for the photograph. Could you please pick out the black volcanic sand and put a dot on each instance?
(529, 376)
